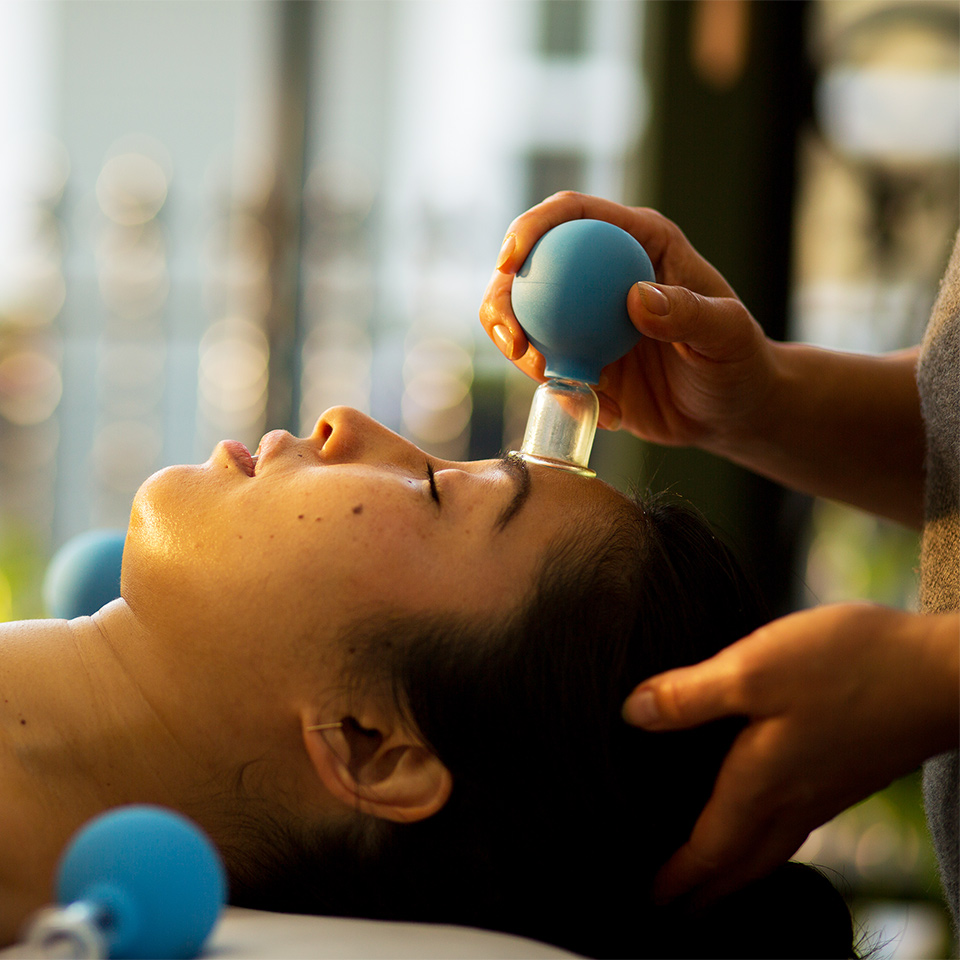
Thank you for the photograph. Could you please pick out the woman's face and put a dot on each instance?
(313, 532)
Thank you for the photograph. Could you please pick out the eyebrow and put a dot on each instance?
(516, 467)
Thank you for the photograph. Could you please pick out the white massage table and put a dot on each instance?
(243, 934)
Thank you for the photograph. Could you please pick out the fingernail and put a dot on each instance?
(501, 334)
(653, 299)
(610, 417)
(509, 245)
(641, 709)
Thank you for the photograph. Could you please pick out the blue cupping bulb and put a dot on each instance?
(154, 875)
(570, 296)
(84, 574)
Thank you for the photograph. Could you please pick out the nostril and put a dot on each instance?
(340, 432)
(323, 431)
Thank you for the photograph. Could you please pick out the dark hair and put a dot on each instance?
(561, 813)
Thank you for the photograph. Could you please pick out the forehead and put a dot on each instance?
(557, 490)
(500, 567)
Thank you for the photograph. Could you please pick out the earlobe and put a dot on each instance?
(386, 774)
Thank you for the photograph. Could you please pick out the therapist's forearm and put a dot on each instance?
(843, 426)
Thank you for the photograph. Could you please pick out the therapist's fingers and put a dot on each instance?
(674, 260)
(734, 842)
(496, 309)
(720, 329)
(498, 319)
(749, 826)
(530, 226)
(756, 818)
(501, 325)
(688, 696)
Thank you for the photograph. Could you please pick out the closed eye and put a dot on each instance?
(434, 492)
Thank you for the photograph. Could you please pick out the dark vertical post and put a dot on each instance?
(293, 64)
(724, 162)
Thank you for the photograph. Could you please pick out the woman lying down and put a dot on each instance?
(389, 686)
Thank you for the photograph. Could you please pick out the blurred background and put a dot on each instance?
(218, 218)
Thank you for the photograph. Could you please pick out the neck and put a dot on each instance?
(92, 717)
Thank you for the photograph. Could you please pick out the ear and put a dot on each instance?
(378, 768)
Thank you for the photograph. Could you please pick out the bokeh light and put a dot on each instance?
(30, 387)
(436, 403)
(131, 188)
(234, 358)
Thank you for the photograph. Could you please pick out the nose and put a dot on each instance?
(345, 435)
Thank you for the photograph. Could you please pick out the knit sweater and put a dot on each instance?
(938, 378)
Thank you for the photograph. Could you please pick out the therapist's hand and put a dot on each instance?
(840, 700)
(704, 369)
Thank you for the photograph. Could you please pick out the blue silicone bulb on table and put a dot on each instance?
(144, 881)
(570, 297)
(84, 574)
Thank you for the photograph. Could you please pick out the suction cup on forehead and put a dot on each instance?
(570, 297)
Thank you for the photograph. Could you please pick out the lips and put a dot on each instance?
(273, 444)
(241, 456)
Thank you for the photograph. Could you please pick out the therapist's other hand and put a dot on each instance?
(703, 370)
(839, 700)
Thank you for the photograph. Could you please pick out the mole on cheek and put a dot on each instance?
(358, 508)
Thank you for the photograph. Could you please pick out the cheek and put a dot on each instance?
(342, 552)
(216, 555)
(378, 556)
(163, 573)
(163, 519)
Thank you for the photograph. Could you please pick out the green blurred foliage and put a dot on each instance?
(23, 561)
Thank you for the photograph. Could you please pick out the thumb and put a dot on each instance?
(686, 697)
(718, 328)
